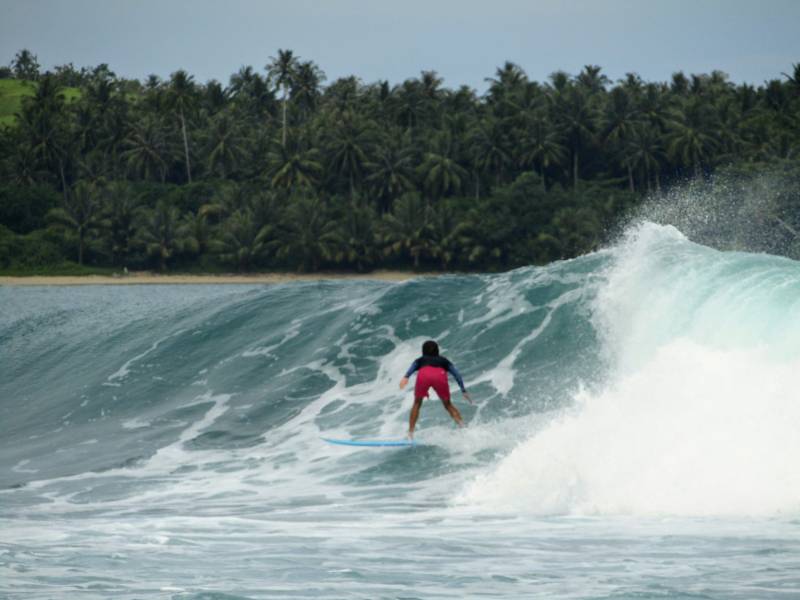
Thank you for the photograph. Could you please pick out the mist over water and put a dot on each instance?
(635, 434)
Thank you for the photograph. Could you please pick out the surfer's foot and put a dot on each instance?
(410, 435)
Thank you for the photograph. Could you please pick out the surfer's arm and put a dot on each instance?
(411, 370)
(451, 368)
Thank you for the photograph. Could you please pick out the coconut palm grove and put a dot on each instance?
(280, 169)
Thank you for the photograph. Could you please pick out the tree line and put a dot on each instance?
(279, 170)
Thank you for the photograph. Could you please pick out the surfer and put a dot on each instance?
(433, 370)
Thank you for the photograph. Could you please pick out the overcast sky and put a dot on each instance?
(463, 40)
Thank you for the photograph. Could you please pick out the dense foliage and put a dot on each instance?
(277, 170)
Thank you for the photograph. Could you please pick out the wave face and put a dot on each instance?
(174, 428)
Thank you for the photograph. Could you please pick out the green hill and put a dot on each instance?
(12, 91)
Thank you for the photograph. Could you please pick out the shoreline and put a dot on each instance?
(151, 278)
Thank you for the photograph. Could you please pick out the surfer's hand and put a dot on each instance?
(466, 395)
(403, 382)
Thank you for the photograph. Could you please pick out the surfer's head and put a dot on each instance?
(430, 348)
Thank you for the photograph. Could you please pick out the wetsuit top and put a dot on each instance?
(436, 361)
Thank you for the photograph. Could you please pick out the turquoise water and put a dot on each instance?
(635, 434)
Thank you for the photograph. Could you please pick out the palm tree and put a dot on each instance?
(439, 172)
(243, 242)
(154, 100)
(161, 233)
(592, 80)
(430, 84)
(43, 126)
(198, 231)
(694, 136)
(578, 229)
(307, 236)
(80, 214)
(405, 229)
(643, 150)
(656, 106)
(349, 147)
(215, 97)
(355, 236)
(343, 95)
(490, 149)
(182, 98)
(507, 82)
(305, 91)
(146, 150)
(479, 239)
(24, 167)
(292, 167)
(621, 115)
(282, 71)
(391, 174)
(794, 79)
(541, 146)
(119, 218)
(444, 234)
(411, 105)
(577, 117)
(226, 200)
(114, 129)
(241, 81)
(225, 144)
(251, 93)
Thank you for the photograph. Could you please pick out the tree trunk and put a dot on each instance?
(80, 245)
(186, 147)
(283, 135)
(575, 169)
(63, 181)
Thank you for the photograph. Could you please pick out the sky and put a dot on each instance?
(464, 41)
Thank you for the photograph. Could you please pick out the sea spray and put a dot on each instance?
(699, 412)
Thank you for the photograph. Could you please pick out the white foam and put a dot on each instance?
(20, 467)
(694, 432)
(699, 415)
(124, 370)
(291, 333)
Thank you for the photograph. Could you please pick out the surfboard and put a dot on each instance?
(372, 443)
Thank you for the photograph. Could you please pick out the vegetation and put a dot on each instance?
(278, 171)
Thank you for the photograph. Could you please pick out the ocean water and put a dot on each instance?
(635, 434)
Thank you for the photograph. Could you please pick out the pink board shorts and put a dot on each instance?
(432, 377)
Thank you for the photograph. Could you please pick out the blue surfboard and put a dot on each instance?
(371, 443)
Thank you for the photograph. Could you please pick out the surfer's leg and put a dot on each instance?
(442, 389)
(412, 419)
(448, 406)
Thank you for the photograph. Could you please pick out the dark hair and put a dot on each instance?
(430, 348)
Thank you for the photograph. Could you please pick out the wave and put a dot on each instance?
(653, 377)
(698, 413)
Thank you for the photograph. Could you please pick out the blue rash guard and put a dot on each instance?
(436, 361)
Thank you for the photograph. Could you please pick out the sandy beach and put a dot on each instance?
(151, 278)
